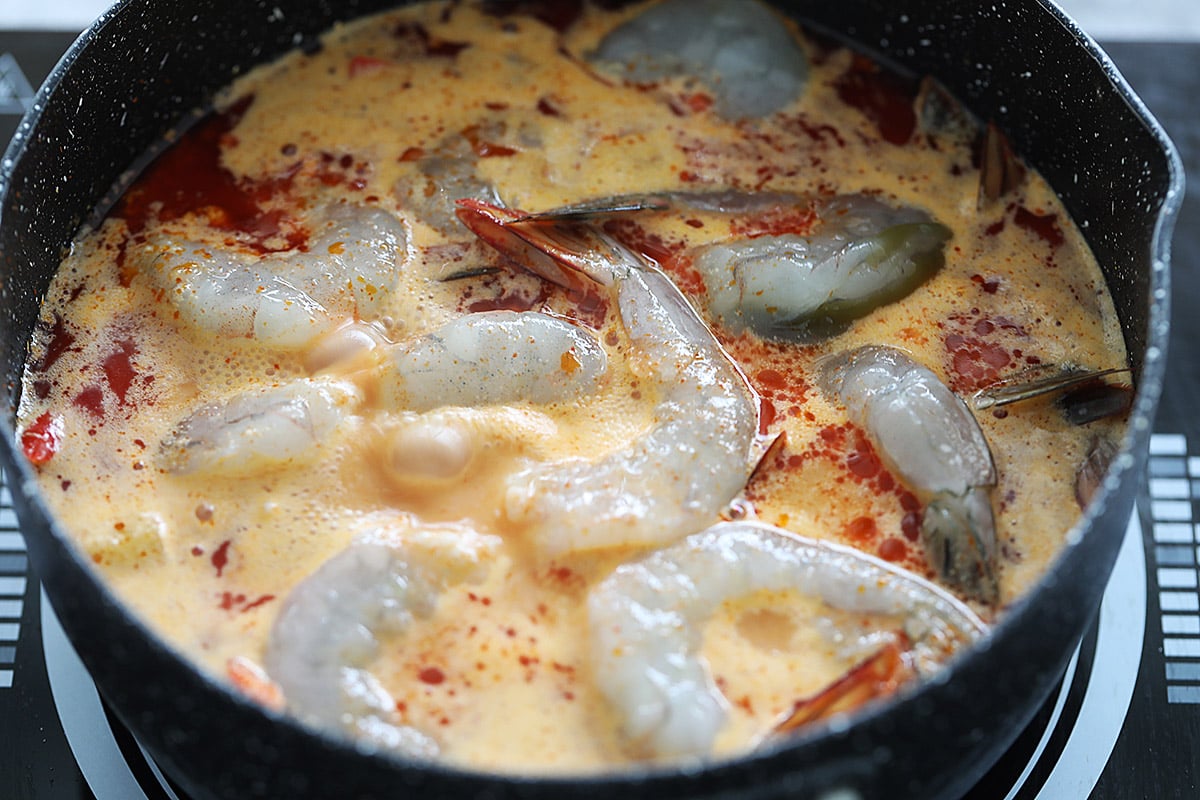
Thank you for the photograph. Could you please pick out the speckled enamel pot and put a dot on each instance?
(148, 64)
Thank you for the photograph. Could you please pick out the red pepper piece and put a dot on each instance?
(43, 439)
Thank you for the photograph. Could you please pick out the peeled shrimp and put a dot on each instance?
(260, 428)
(329, 627)
(647, 620)
(675, 478)
(862, 255)
(741, 50)
(928, 436)
(286, 299)
(491, 358)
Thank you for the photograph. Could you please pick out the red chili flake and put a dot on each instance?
(776, 221)
(91, 399)
(197, 550)
(431, 675)
(1044, 225)
(509, 301)
(980, 349)
(884, 97)
(412, 154)
(189, 177)
(669, 255)
(766, 415)
(860, 531)
(770, 379)
(799, 124)
(266, 598)
(546, 107)
(58, 342)
(220, 557)
(43, 439)
(989, 285)
(118, 369)
(863, 464)
(892, 549)
(229, 600)
(366, 65)
(484, 148)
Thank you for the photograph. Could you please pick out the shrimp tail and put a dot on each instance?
(879, 675)
(572, 256)
(959, 536)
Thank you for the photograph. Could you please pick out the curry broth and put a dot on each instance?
(500, 673)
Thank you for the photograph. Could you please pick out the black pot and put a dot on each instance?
(146, 66)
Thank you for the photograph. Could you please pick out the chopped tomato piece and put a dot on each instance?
(366, 65)
(43, 439)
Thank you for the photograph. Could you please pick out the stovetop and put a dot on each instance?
(1124, 723)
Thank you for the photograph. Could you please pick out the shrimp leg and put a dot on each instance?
(672, 480)
(328, 629)
(929, 437)
(647, 618)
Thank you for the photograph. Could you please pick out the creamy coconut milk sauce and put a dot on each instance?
(214, 405)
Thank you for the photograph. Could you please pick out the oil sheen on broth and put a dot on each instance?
(337, 447)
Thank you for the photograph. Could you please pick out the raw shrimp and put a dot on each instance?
(928, 436)
(284, 300)
(862, 255)
(329, 627)
(647, 621)
(260, 428)
(491, 358)
(741, 50)
(675, 478)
